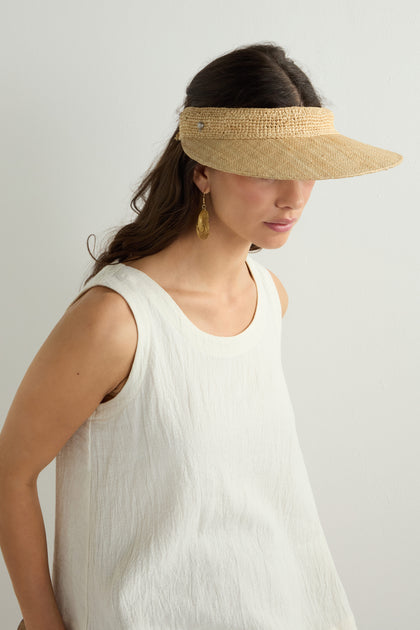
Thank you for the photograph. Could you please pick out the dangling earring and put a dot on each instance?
(202, 228)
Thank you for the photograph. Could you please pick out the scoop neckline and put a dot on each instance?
(187, 325)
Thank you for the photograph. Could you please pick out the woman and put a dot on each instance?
(182, 496)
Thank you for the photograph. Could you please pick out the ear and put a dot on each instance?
(201, 177)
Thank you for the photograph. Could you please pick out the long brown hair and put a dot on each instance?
(259, 75)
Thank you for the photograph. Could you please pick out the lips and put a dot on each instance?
(282, 222)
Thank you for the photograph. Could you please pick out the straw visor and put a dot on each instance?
(279, 143)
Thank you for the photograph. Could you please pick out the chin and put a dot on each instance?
(274, 243)
(272, 246)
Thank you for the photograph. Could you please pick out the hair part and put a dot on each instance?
(167, 201)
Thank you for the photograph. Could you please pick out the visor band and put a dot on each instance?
(255, 122)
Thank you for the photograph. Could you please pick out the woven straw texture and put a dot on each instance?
(255, 122)
(279, 143)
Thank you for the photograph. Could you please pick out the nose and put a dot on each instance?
(290, 194)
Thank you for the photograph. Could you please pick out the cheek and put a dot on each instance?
(243, 200)
(308, 189)
(251, 196)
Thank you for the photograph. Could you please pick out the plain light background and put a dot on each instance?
(90, 92)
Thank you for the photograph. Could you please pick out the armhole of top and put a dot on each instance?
(132, 385)
(272, 290)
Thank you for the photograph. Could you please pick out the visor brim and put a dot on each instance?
(330, 156)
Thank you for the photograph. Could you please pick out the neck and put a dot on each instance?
(215, 265)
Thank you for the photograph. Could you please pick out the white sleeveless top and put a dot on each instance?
(184, 503)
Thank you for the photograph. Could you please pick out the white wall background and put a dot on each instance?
(89, 93)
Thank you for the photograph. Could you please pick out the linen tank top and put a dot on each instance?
(183, 503)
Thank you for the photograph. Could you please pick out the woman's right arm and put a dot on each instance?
(88, 353)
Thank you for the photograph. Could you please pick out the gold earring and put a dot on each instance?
(202, 228)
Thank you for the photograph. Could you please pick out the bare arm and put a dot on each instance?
(88, 353)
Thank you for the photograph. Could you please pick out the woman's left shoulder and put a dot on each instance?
(284, 298)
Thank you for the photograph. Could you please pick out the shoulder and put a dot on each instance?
(106, 317)
(284, 298)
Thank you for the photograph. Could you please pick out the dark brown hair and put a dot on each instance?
(259, 75)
